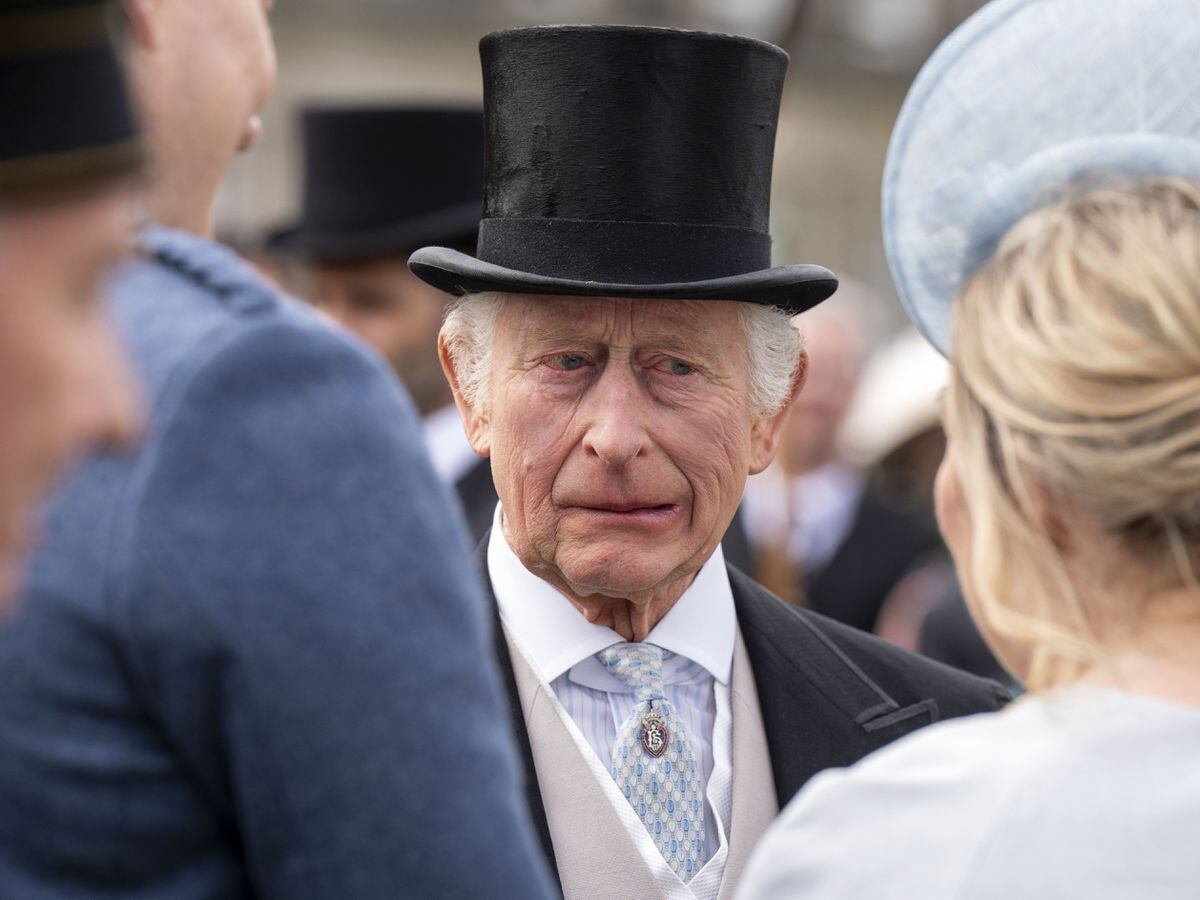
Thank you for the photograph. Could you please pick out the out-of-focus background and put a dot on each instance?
(852, 61)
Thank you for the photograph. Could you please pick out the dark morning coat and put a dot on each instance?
(829, 694)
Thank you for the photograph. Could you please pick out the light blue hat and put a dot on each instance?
(1026, 101)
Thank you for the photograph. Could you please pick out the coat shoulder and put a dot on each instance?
(188, 307)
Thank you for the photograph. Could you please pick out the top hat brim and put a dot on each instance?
(459, 223)
(792, 289)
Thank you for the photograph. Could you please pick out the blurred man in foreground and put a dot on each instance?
(65, 217)
(379, 182)
(252, 661)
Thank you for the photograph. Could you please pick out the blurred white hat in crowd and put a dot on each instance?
(897, 399)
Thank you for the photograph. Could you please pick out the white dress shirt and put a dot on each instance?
(560, 645)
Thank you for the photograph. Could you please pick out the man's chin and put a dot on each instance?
(614, 567)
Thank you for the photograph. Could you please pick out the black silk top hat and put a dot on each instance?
(381, 180)
(66, 122)
(623, 161)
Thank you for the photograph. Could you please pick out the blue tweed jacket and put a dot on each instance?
(253, 658)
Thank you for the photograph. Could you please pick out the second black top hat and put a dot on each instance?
(628, 161)
(384, 179)
(66, 120)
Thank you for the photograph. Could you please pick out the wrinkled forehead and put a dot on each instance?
(703, 324)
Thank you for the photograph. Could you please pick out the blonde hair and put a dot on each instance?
(1076, 385)
(773, 347)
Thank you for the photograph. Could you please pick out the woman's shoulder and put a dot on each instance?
(922, 817)
(851, 830)
(980, 754)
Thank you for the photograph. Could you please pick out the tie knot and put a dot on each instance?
(637, 666)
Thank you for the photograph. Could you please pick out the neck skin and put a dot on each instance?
(175, 203)
(1160, 658)
(184, 178)
(188, 160)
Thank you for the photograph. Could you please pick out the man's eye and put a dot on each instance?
(679, 367)
(569, 362)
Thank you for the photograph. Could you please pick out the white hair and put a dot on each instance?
(773, 348)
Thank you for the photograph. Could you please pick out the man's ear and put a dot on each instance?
(766, 432)
(144, 25)
(476, 422)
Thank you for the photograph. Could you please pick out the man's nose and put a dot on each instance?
(615, 411)
(109, 405)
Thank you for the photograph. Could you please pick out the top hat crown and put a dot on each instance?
(385, 179)
(66, 120)
(628, 161)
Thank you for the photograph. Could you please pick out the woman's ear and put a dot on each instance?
(766, 432)
(476, 421)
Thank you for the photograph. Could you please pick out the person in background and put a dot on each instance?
(949, 635)
(380, 181)
(667, 705)
(1070, 491)
(65, 218)
(894, 430)
(830, 532)
(802, 508)
(252, 659)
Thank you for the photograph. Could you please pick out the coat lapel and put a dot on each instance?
(819, 709)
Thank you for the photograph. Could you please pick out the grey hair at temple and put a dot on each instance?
(773, 349)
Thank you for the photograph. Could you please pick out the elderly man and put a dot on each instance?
(252, 661)
(65, 217)
(622, 351)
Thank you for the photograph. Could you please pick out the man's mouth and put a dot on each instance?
(624, 507)
(631, 513)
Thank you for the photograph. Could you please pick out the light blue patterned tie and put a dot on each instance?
(653, 763)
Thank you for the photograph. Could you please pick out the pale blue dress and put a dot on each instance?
(1083, 792)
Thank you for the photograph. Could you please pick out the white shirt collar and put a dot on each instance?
(701, 626)
(446, 440)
